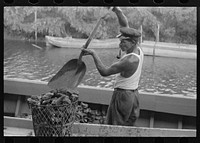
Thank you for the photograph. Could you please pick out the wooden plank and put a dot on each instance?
(180, 123)
(97, 130)
(18, 122)
(12, 131)
(25, 87)
(189, 122)
(123, 131)
(175, 104)
(162, 120)
(151, 124)
(148, 101)
(18, 106)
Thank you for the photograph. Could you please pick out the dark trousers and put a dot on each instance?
(124, 108)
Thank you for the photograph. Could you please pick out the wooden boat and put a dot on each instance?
(69, 42)
(161, 115)
(149, 48)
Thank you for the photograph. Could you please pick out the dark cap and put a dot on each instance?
(129, 33)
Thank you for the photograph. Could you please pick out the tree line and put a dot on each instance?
(177, 24)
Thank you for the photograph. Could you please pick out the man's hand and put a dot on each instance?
(110, 7)
(115, 8)
(88, 52)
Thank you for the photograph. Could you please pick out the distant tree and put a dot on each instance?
(177, 24)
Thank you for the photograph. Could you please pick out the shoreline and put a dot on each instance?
(111, 40)
(162, 49)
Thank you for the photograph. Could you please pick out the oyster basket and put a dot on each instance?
(53, 120)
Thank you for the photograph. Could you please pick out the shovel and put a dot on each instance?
(71, 74)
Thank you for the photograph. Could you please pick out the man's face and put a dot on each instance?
(125, 44)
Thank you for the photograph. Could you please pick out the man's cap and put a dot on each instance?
(129, 33)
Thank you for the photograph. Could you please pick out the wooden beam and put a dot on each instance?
(180, 123)
(83, 129)
(148, 101)
(151, 124)
(18, 106)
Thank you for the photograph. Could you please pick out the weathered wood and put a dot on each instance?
(152, 120)
(180, 123)
(18, 106)
(97, 130)
(148, 101)
(13, 131)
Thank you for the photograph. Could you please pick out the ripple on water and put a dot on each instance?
(157, 77)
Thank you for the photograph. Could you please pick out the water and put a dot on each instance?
(164, 75)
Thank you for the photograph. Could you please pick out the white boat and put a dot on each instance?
(69, 42)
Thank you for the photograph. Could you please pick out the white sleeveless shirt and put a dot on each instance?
(131, 82)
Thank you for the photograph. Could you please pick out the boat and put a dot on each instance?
(69, 42)
(161, 115)
(150, 48)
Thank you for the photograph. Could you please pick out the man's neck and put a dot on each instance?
(132, 50)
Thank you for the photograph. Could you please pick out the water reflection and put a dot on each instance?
(163, 75)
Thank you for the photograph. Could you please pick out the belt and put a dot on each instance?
(120, 89)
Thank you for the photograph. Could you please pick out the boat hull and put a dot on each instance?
(157, 111)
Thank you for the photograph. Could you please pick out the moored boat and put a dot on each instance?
(150, 48)
(161, 115)
(69, 42)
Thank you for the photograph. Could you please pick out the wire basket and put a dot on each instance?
(53, 120)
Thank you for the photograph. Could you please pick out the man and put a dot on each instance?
(124, 105)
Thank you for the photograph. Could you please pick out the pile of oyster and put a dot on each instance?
(54, 97)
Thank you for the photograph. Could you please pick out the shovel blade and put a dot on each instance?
(69, 76)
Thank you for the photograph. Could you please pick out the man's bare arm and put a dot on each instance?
(123, 22)
(115, 68)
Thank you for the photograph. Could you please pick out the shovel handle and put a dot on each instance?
(95, 29)
(92, 34)
(90, 37)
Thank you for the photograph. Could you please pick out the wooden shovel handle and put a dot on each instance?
(90, 37)
(92, 34)
(94, 30)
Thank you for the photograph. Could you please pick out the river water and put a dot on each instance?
(162, 75)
